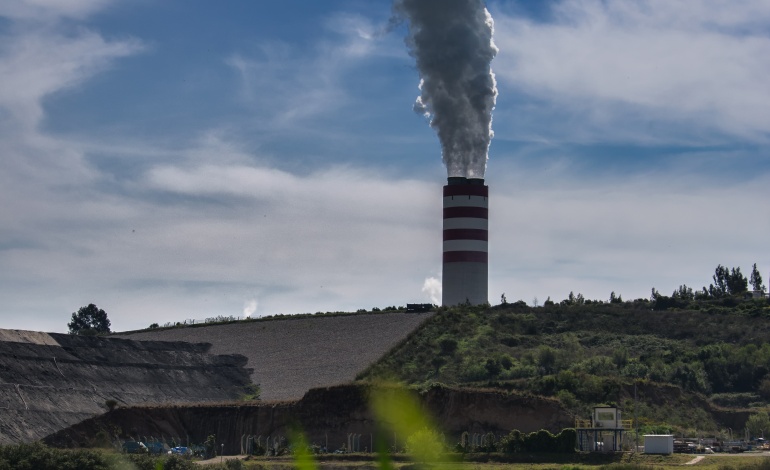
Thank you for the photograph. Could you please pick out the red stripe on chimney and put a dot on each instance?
(465, 234)
(465, 211)
(465, 257)
(466, 190)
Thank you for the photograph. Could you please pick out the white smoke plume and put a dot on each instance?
(249, 308)
(452, 43)
(432, 287)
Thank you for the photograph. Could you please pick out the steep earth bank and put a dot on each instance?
(324, 415)
(49, 381)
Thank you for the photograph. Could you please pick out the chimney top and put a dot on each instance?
(458, 180)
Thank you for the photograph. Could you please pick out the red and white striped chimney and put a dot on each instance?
(465, 272)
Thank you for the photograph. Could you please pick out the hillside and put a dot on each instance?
(690, 365)
(290, 356)
(50, 381)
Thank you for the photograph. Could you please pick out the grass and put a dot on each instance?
(624, 461)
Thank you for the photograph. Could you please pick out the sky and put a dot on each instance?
(187, 159)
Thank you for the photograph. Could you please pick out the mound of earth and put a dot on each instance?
(49, 381)
(290, 356)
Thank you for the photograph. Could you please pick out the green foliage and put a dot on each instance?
(425, 443)
(89, 320)
(727, 282)
(251, 392)
(40, 457)
(540, 441)
(756, 279)
(586, 354)
(758, 424)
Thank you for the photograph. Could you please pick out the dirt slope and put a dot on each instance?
(51, 381)
(289, 357)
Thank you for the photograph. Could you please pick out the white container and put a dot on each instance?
(659, 444)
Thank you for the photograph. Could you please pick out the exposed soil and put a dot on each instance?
(51, 381)
(289, 357)
(323, 415)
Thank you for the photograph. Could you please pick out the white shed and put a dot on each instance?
(658, 444)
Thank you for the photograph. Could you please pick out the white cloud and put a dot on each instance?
(554, 234)
(696, 65)
(36, 64)
(42, 10)
(290, 85)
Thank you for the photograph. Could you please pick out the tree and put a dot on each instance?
(683, 293)
(737, 282)
(758, 424)
(756, 279)
(90, 320)
(720, 277)
(727, 282)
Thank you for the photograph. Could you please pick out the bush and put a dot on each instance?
(540, 441)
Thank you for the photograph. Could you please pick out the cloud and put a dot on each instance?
(36, 64)
(296, 84)
(46, 10)
(555, 233)
(619, 70)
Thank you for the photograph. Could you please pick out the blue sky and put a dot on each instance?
(186, 159)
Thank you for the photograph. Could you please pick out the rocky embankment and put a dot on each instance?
(50, 381)
(324, 415)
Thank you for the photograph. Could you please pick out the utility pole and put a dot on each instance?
(636, 424)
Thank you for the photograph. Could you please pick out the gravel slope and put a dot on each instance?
(51, 381)
(289, 357)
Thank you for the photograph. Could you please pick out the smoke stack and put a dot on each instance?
(465, 268)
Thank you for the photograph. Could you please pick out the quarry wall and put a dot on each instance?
(49, 381)
(324, 415)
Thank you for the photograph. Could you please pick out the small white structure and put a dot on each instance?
(659, 444)
(603, 432)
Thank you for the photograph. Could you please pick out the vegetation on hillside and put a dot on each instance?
(676, 349)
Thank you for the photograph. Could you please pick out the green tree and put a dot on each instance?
(758, 424)
(727, 282)
(89, 320)
(756, 279)
(683, 293)
(737, 282)
(719, 288)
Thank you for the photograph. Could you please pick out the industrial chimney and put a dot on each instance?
(465, 270)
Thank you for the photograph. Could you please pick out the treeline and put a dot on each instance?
(729, 288)
(37, 456)
(517, 442)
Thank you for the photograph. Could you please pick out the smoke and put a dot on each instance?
(451, 41)
(432, 287)
(249, 308)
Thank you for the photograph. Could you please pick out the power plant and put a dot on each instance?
(465, 267)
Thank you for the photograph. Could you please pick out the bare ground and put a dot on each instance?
(289, 357)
